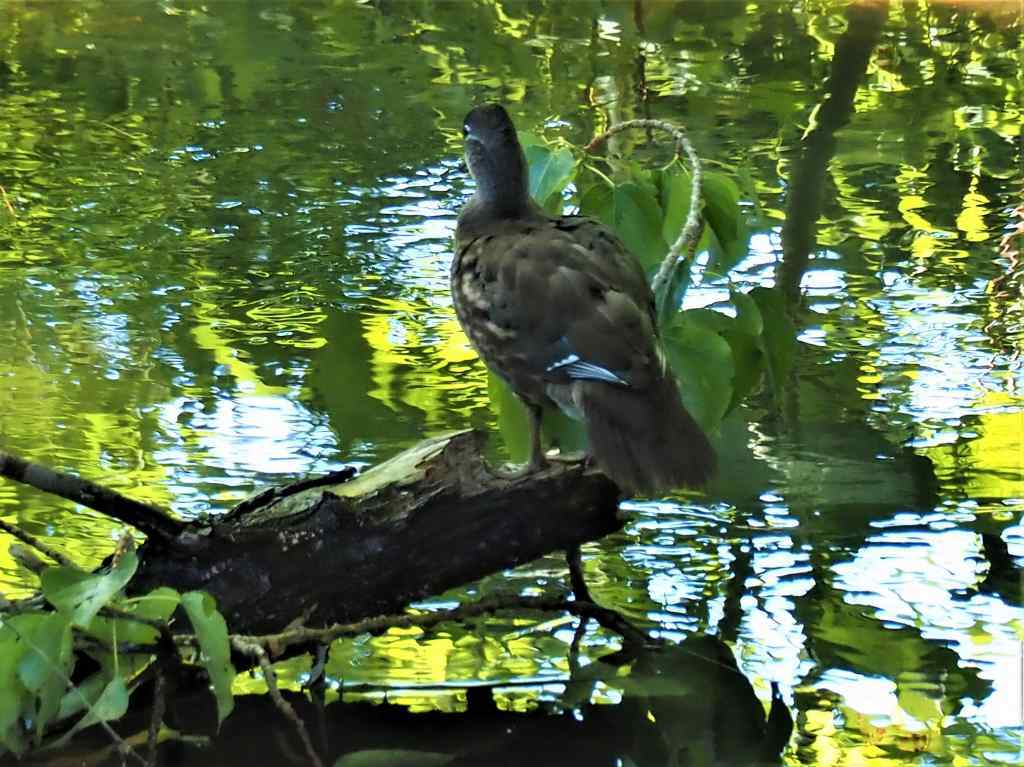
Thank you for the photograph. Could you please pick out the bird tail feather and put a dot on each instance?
(645, 441)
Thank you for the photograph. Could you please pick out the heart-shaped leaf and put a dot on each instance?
(81, 595)
(726, 220)
(633, 214)
(550, 171)
(212, 633)
(702, 360)
(778, 340)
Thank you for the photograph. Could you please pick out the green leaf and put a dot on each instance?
(632, 213)
(702, 360)
(744, 337)
(747, 356)
(676, 186)
(778, 340)
(529, 138)
(550, 171)
(212, 633)
(725, 219)
(46, 664)
(748, 316)
(748, 363)
(85, 693)
(13, 696)
(158, 605)
(81, 595)
(393, 757)
(586, 178)
(708, 319)
(633, 172)
(110, 705)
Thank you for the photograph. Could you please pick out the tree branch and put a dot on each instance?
(257, 651)
(156, 717)
(150, 520)
(278, 643)
(43, 548)
(688, 238)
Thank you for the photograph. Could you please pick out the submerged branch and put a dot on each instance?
(150, 520)
(257, 651)
(278, 643)
(43, 548)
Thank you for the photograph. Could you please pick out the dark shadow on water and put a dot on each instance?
(679, 705)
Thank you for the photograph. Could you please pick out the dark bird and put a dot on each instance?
(561, 310)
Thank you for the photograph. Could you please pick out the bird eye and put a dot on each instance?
(465, 130)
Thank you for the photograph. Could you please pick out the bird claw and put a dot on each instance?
(577, 456)
(518, 471)
(510, 471)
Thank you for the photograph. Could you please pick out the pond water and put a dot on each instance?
(225, 235)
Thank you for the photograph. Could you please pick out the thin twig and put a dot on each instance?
(110, 611)
(16, 606)
(610, 619)
(140, 739)
(111, 126)
(690, 235)
(122, 746)
(43, 548)
(7, 202)
(256, 650)
(575, 645)
(156, 718)
(91, 644)
(148, 519)
(317, 687)
(316, 671)
(27, 558)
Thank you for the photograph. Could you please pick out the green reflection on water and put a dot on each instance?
(224, 264)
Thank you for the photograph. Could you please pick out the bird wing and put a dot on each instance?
(565, 301)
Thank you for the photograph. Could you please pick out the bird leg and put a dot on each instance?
(537, 459)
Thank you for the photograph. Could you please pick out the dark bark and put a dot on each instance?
(339, 549)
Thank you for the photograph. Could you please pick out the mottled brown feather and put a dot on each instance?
(530, 289)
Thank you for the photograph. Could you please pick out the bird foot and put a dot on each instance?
(518, 471)
(510, 471)
(577, 456)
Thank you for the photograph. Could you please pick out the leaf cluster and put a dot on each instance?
(83, 616)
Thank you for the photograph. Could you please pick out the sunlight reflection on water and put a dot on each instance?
(262, 294)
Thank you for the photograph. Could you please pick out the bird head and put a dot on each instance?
(493, 153)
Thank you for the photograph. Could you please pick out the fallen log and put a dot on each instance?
(345, 547)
